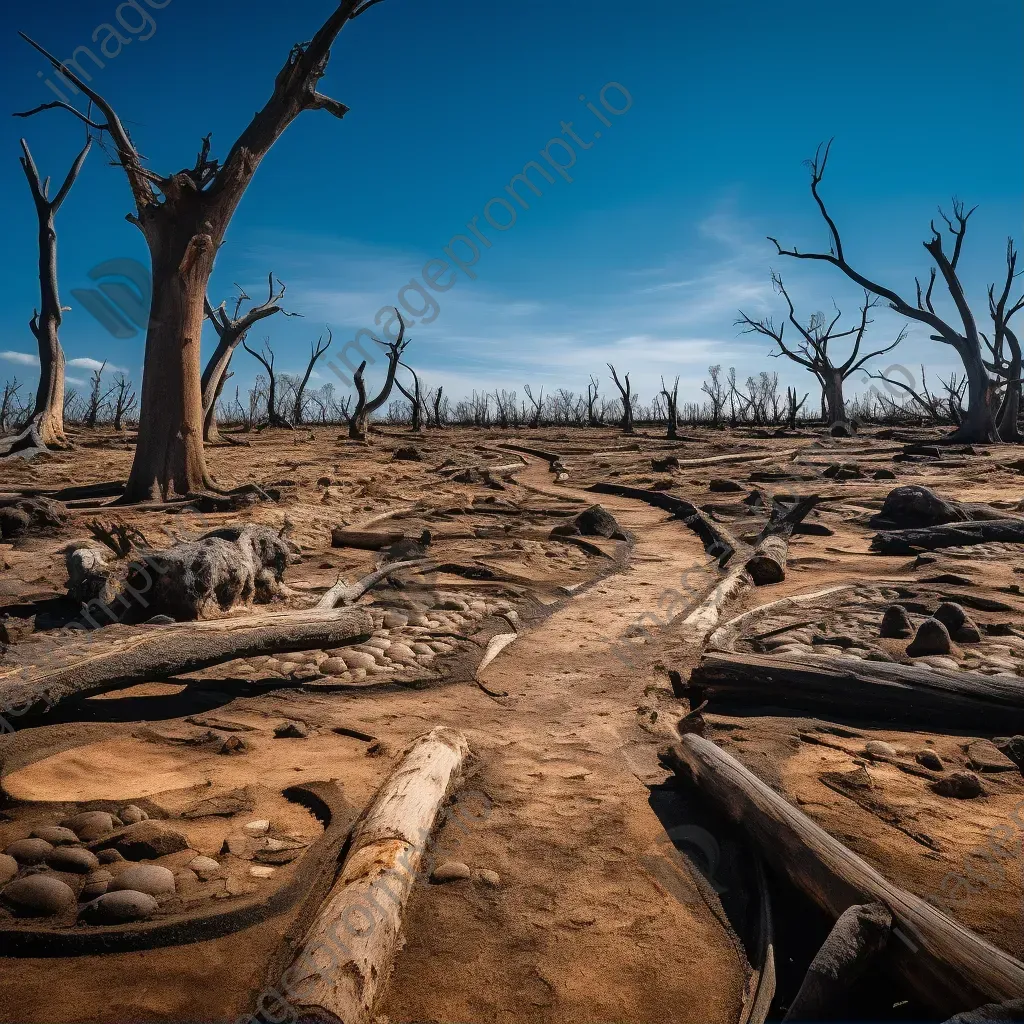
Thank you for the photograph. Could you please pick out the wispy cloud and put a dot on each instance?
(87, 363)
(21, 358)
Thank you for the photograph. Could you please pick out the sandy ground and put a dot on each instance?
(595, 918)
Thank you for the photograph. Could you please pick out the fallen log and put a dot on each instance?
(347, 955)
(364, 539)
(718, 542)
(114, 658)
(949, 967)
(856, 939)
(703, 620)
(875, 691)
(951, 535)
(768, 562)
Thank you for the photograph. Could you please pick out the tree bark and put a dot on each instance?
(348, 953)
(948, 966)
(835, 403)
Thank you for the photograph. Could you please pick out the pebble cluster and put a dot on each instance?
(405, 641)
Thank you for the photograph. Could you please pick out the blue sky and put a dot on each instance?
(642, 259)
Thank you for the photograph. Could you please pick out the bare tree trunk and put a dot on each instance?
(1010, 411)
(46, 427)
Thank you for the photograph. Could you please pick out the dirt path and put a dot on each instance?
(579, 929)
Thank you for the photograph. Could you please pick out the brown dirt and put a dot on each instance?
(582, 927)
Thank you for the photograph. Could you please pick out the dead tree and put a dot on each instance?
(274, 418)
(537, 403)
(716, 391)
(45, 428)
(792, 407)
(7, 401)
(672, 401)
(593, 419)
(627, 400)
(439, 405)
(124, 401)
(414, 397)
(812, 350)
(184, 217)
(365, 408)
(980, 422)
(97, 397)
(315, 352)
(1009, 368)
(231, 332)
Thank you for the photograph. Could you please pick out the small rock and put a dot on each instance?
(132, 815)
(985, 756)
(109, 856)
(305, 673)
(334, 666)
(884, 474)
(224, 806)
(91, 825)
(29, 851)
(74, 859)
(146, 841)
(152, 879)
(408, 454)
(260, 827)
(401, 653)
(8, 868)
(119, 907)
(722, 486)
(940, 661)
(261, 871)
(291, 730)
(95, 885)
(55, 835)
(1013, 748)
(895, 622)
(450, 871)
(880, 748)
(205, 867)
(929, 759)
(932, 638)
(489, 878)
(361, 659)
(960, 785)
(951, 615)
(38, 895)
(394, 620)
(233, 745)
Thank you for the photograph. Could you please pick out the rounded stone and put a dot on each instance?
(56, 835)
(132, 815)
(401, 653)
(95, 885)
(960, 785)
(205, 867)
(38, 895)
(110, 856)
(450, 871)
(259, 827)
(880, 748)
(148, 839)
(895, 622)
(929, 759)
(151, 879)
(932, 638)
(334, 666)
(360, 659)
(8, 868)
(29, 851)
(91, 825)
(490, 878)
(73, 859)
(951, 615)
(393, 620)
(119, 907)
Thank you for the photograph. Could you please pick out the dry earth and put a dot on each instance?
(593, 914)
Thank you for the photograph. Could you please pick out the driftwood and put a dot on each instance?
(703, 620)
(949, 967)
(856, 939)
(718, 542)
(347, 955)
(768, 562)
(107, 660)
(869, 690)
(951, 535)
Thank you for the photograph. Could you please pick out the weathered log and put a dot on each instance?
(365, 539)
(347, 955)
(114, 658)
(951, 535)
(867, 690)
(949, 967)
(699, 624)
(768, 562)
(856, 939)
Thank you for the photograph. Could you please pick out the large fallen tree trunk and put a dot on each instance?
(703, 620)
(347, 955)
(949, 967)
(951, 535)
(866, 690)
(768, 562)
(114, 658)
